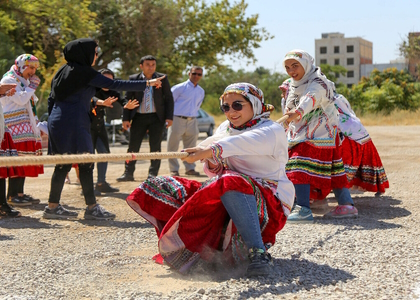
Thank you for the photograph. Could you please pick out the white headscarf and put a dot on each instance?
(261, 110)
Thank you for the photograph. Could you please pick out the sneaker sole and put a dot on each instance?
(89, 217)
(19, 204)
(254, 271)
(352, 216)
(35, 202)
(58, 217)
(300, 221)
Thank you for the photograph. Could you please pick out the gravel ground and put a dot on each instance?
(373, 257)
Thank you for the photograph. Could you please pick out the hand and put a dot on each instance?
(168, 123)
(34, 82)
(107, 102)
(196, 154)
(132, 104)
(293, 115)
(126, 125)
(7, 89)
(156, 82)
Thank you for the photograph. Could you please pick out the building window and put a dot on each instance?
(323, 61)
(323, 50)
(350, 49)
(349, 85)
(350, 61)
(336, 49)
(337, 61)
(337, 75)
(350, 74)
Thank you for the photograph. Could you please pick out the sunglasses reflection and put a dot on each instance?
(236, 105)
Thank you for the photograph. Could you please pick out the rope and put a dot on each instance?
(84, 158)
(91, 158)
(282, 119)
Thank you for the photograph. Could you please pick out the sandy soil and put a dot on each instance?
(398, 147)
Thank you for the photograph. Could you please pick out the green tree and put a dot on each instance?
(333, 72)
(179, 33)
(384, 91)
(215, 83)
(42, 28)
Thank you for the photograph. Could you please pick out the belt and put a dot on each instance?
(186, 118)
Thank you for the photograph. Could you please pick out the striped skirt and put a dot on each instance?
(322, 168)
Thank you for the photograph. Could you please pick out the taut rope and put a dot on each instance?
(84, 158)
(90, 158)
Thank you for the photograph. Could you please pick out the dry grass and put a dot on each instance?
(396, 118)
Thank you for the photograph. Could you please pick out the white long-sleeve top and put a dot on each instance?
(349, 124)
(319, 117)
(260, 152)
(21, 99)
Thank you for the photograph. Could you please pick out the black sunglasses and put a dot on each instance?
(236, 105)
(198, 74)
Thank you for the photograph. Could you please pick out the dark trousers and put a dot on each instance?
(86, 180)
(2, 191)
(15, 186)
(140, 124)
(101, 145)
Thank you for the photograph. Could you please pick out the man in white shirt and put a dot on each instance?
(188, 97)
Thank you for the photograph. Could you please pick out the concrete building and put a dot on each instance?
(365, 70)
(334, 49)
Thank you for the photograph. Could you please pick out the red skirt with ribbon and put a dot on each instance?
(364, 166)
(192, 223)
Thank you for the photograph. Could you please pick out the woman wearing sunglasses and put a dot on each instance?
(235, 215)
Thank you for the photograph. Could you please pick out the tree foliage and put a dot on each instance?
(42, 28)
(384, 91)
(410, 48)
(333, 72)
(215, 83)
(179, 33)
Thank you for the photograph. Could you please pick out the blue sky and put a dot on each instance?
(296, 24)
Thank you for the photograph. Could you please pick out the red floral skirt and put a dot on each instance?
(322, 168)
(364, 166)
(8, 148)
(192, 223)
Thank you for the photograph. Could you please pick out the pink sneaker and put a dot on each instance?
(342, 211)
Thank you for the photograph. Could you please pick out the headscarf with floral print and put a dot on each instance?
(23, 61)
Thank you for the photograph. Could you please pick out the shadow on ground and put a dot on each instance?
(373, 213)
(290, 275)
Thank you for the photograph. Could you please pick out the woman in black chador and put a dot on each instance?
(72, 89)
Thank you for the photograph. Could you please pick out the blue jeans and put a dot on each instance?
(303, 190)
(242, 209)
(102, 166)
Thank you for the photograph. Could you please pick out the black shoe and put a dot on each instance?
(59, 213)
(6, 210)
(125, 177)
(261, 263)
(105, 188)
(18, 201)
(31, 199)
(174, 173)
(98, 213)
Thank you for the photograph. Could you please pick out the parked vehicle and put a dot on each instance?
(205, 122)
